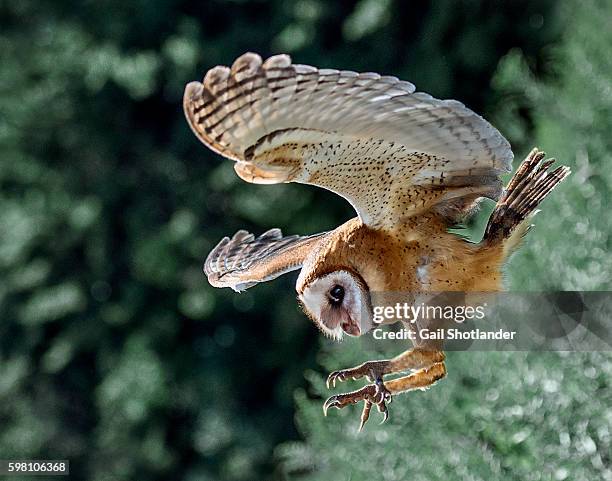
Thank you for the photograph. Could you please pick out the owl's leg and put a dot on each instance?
(378, 393)
(372, 394)
(374, 370)
(417, 380)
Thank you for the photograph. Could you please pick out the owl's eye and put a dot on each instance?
(336, 295)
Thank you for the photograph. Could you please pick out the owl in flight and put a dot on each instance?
(411, 165)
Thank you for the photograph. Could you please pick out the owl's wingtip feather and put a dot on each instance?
(247, 61)
(281, 60)
(215, 76)
(193, 90)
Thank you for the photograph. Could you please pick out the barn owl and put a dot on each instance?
(411, 166)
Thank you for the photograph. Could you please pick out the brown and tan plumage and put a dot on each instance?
(411, 166)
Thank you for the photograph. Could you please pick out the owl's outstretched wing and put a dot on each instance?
(245, 260)
(390, 151)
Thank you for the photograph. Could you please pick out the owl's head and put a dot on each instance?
(338, 302)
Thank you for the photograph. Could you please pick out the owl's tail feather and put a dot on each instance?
(531, 183)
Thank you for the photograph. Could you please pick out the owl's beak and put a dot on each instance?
(351, 328)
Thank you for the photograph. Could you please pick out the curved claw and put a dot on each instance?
(382, 408)
(365, 414)
(331, 402)
(333, 377)
(385, 414)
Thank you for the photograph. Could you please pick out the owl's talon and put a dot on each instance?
(373, 394)
(332, 402)
(373, 371)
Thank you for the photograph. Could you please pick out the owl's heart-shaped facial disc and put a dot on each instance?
(338, 302)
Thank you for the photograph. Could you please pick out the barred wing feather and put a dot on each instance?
(391, 151)
(245, 260)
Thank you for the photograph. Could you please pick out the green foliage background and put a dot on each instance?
(114, 351)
